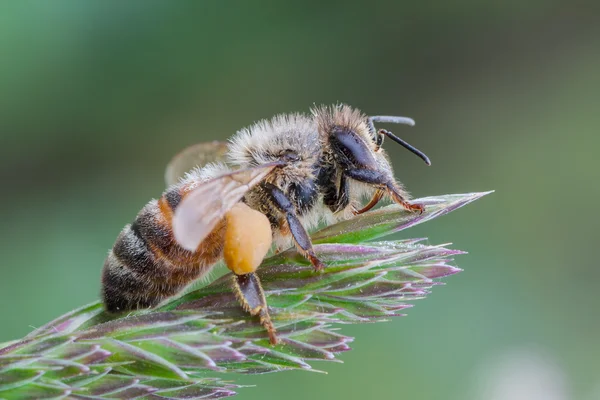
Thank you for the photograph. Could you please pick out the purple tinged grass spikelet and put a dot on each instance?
(167, 351)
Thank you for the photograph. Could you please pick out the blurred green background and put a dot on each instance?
(96, 96)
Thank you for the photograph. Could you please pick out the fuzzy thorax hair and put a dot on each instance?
(266, 140)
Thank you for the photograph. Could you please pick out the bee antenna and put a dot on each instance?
(407, 146)
(392, 120)
(397, 120)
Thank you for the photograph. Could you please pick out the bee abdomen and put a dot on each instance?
(146, 265)
(133, 277)
(123, 289)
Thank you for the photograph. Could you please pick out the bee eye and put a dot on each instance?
(379, 140)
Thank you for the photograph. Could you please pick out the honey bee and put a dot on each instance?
(297, 170)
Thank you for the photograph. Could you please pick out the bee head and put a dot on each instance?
(341, 123)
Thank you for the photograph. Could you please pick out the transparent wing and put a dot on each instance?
(197, 155)
(201, 209)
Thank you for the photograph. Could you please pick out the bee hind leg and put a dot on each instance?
(248, 290)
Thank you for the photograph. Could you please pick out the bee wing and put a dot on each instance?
(197, 155)
(201, 210)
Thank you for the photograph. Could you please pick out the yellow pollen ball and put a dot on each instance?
(248, 238)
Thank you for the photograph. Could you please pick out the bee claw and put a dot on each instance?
(415, 208)
(317, 264)
(320, 267)
(273, 339)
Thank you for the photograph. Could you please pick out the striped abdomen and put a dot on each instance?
(146, 265)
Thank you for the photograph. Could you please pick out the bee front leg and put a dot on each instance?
(301, 238)
(335, 197)
(380, 180)
(374, 200)
(249, 293)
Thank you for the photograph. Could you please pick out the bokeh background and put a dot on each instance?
(96, 96)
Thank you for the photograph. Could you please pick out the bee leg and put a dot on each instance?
(336, 199)
(249, 293)
(376, 197)
(301, 238)
(380, 180)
